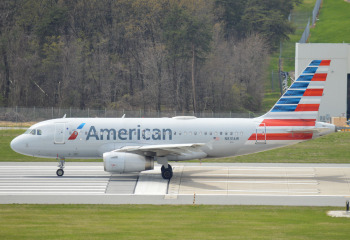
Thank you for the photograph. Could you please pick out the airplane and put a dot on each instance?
(134, 144)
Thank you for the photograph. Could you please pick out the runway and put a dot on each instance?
(192, 183)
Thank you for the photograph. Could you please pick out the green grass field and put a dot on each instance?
(169, 222)
(333, 148)
(333, 23)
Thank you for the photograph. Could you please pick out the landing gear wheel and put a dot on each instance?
(61, 163)
(167, 173)
(60, 172)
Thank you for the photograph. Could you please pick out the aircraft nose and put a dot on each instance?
(17, 145)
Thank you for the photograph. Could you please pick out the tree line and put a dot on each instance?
(183, 55)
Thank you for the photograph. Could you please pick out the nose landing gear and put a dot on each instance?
(60, 171)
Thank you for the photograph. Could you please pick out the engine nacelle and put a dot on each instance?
(122, 162)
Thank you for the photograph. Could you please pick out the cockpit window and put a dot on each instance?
(34, 132)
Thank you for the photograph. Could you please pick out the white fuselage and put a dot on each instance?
(91, 137)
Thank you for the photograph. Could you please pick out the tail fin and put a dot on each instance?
(302, 99)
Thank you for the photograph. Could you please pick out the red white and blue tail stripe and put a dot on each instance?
(302, 100)
(293, 117)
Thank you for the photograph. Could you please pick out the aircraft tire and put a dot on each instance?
(60, 172)
(167, 173)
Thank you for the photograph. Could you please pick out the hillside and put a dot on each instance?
(333, 23)
(203, 55)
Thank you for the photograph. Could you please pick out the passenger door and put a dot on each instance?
(59, 133)
(260, 134)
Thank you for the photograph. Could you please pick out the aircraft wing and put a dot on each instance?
(164, 150)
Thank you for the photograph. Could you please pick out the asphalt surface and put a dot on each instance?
(192, 183)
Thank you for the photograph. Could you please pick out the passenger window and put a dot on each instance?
(38, 132)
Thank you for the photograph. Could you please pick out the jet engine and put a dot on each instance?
(122, 162)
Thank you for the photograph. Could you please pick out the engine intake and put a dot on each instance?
(122, 162)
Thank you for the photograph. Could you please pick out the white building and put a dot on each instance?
(336, 99)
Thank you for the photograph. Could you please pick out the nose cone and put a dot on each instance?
(17, 145)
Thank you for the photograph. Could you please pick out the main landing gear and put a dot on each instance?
(60, 171)
(167, 170)
(167, 173)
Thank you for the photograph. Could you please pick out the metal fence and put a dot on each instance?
(34, 114)
(306, 33)
(315, 11)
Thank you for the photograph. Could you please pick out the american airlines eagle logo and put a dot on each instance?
(75, 133)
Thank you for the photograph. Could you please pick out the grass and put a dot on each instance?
(169, 222)
(333, 148)
(333, 23)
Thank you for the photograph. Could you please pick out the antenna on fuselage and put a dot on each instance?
(123, 115)
(64, 116)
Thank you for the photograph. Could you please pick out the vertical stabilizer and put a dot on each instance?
(302, 99)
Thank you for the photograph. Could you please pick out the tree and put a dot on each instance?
(242, 18)
(186, 37)
(229, 13)
(136, 54)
